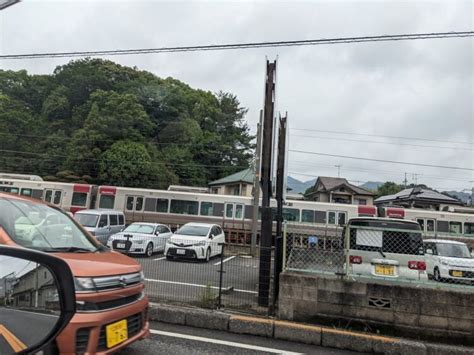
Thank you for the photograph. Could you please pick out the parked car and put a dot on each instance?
(141, 238)
(110, 301)
(449, 260)
(200, 241)
(101, 223)
(385, 248)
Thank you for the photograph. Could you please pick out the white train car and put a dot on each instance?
(70, 197)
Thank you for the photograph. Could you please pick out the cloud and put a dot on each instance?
(409, 89)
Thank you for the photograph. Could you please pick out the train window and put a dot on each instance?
(430, 225)
(162, 205)
(57, 197)
(107, 201)
(79, 199)
(229, 210)
(206, 209)
(121, 220)
(341, 218)
(150, 204)
(421, 222)
(320, 216)
(48, 195)
(469, 229)
(113, 219)
(455, 227)
(184, 207)
(26, 192)
(443, 226)
(307, 216)
(139, 204)
(291, 214)
(239, 211)
(332, 217)
(130, 203)
(218, 209)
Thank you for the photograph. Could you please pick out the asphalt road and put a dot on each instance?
(174, 339)
(191, 281)
(28, 327)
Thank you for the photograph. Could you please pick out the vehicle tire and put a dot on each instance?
(208, 254)
(149, 250)
(436, 275)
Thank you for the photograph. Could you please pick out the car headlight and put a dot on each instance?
(444, 262)
(84, 284)
(139, 241)
(201, 243)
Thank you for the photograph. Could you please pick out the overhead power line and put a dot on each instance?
(380, 142)
(248, 45)
(380, 136)
(382, 160)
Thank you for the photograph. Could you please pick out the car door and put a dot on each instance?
(217, 240)
(102, 228)
(162, 234)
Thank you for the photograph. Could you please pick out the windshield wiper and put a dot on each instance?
(71, 250)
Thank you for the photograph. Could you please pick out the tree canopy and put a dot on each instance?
(96, 121)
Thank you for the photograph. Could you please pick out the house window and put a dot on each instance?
(215, 190)
(362, 201)
(236, 190)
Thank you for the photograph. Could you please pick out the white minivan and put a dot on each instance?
(386, 248)
(101, 223)
(449, 260)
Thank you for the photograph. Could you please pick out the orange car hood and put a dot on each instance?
(99, 264)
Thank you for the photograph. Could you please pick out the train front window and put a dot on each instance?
(79, 199)
(42, 227)
(107, 201)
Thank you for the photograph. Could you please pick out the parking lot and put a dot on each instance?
(197, 282)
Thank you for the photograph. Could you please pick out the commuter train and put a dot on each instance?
(234, 213)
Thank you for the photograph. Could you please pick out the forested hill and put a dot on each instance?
(95, 121)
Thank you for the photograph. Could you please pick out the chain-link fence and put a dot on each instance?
(380, 251)
(205, 274)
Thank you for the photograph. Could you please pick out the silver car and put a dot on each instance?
(101, 223)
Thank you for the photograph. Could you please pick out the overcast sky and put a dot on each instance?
(418, 89)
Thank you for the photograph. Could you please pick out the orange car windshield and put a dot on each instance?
(38, 226)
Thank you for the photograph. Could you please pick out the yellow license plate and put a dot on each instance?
(457, 273)
(386, 270)
(116, 333)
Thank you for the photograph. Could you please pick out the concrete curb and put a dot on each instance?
(298, 332)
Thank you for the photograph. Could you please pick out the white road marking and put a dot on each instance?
(223, 342)
(162, 258)
(197, 285)
(35, 313)
(225, 260)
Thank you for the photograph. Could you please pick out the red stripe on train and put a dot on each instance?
(82, 188)
(367, 211)
(107, 190)
(393, 212)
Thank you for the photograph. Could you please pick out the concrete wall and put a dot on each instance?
(395, 310)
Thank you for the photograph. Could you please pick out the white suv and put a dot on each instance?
(449, 260)
(199, 241)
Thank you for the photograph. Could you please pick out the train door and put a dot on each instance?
(428, 226)
(53, 196)
(134, 207)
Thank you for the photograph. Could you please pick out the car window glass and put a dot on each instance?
(121, 219)
(113, 220)
(103, 222)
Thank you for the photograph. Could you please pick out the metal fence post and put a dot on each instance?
(285, 229)
(221, 275)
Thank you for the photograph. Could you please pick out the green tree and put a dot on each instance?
(128, 163)
(388, 188)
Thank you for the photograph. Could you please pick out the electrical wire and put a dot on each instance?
(248, 45)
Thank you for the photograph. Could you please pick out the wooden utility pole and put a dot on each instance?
(266, 173)
(256, 187)
(280, 198)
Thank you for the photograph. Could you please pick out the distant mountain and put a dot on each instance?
(298, 186)
(463, 196)
(371, 185)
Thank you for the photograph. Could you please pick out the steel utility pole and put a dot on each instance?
(266, 173)
(280, 196)
(256, 187)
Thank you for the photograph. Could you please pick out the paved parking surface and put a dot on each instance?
(197, 281)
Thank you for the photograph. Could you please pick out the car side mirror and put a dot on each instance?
(157, 233)
(211, 236)
(37, 290)
(429, 251)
